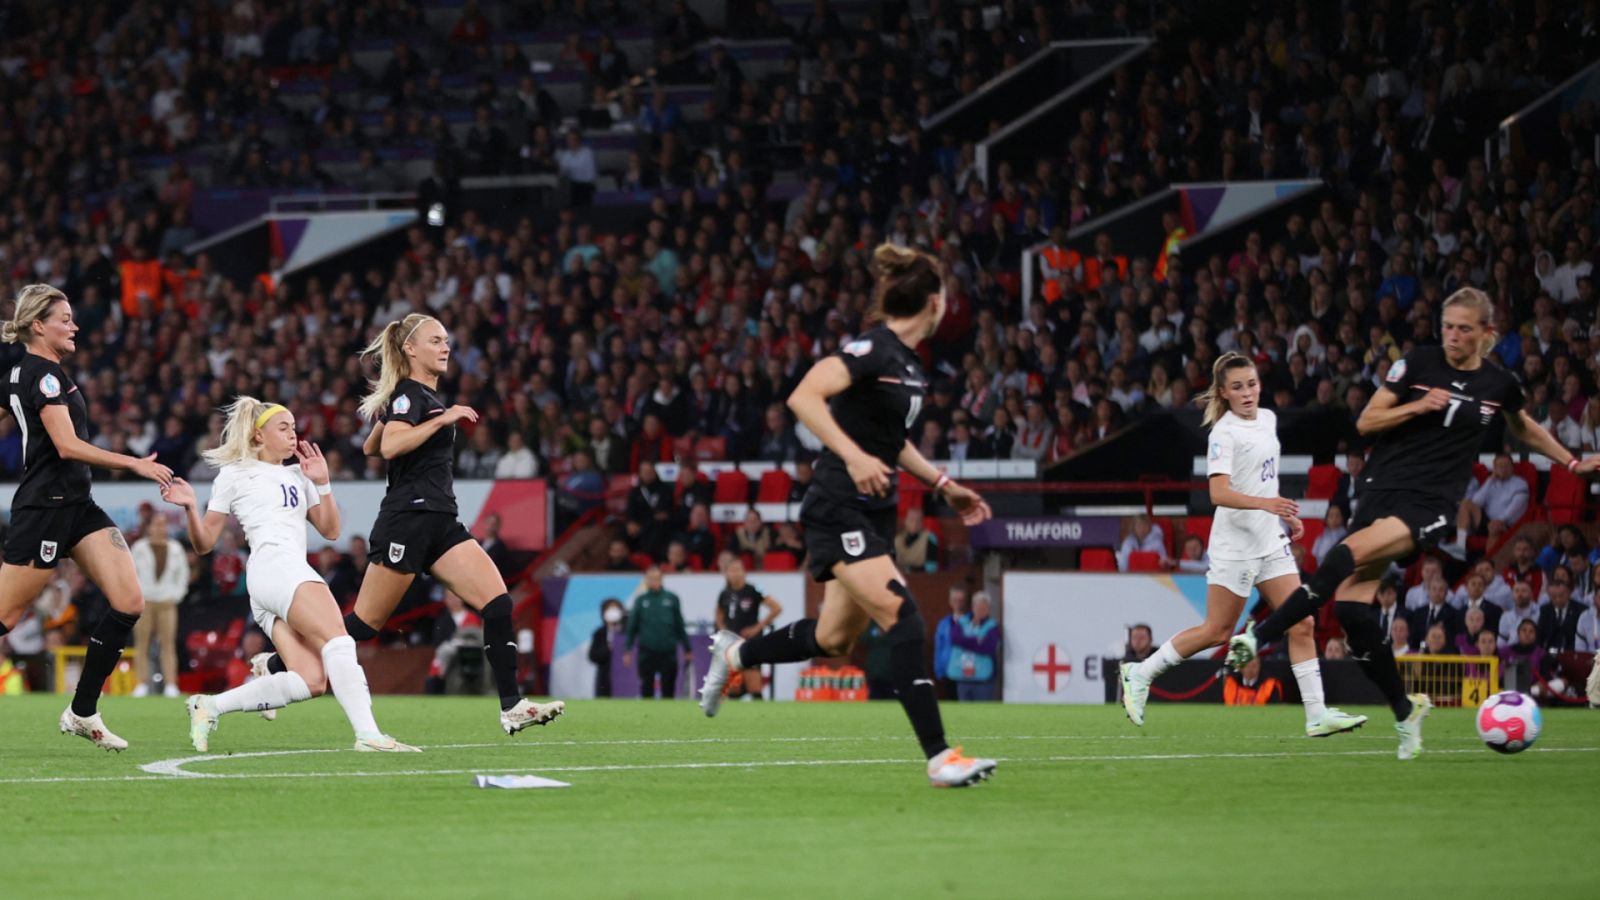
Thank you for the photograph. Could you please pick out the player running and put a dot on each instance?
(52, 513)
(288, 599)
(861, 402)
(417, 530)
(745, 611)
(1429, 417)
(1249, 547)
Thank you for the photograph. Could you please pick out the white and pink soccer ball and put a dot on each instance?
(1509, 722)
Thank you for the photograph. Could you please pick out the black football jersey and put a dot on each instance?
(47, 479)
(1433, 453)
(424, 479)
(741, 608)
(877, 410)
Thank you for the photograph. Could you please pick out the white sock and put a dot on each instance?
(1308, 675)
(349, 684)
(270, 692)
(1156, 663)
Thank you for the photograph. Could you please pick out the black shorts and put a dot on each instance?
(41, 535)
(1431, 518)
(843, 533)
(411, 542)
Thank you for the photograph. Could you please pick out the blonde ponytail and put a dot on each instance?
(1212, 398)
(34, 302)
(238, 433)
(389, 347)
(1476, 300)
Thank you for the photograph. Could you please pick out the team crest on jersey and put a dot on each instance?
(1216, 449)
(1396, 372)
(397, 552)
(858, 348)
(402, 405)
(50, 386)
(854, 542)
(47, 551)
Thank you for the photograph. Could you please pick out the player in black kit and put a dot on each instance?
(861, 403)
(1430, 417)
(52, 514)
(745, 611)
(417, 530)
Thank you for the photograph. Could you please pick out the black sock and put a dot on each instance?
(500, 648)
(275, 665)
(358, 628)
(4, 630)
(908, 672)
(1309, 597)
(1376, 658)
(796, 642)
(105, 650)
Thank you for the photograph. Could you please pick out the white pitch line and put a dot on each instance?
(171, 770)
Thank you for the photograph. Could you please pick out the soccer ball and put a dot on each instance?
(1509, 722)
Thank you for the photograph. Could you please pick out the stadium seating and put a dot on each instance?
(1097, 559)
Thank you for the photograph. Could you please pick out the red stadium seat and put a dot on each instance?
(709, 448)
(1144, 561)
(1200, 527)
(642, 560)
(780, 561)
(774, 487)
(1097, 559)
(732, 486)
(1531, 476)
(1314, 529)
(1480, 472)
(1564, 496)
(1321, 481)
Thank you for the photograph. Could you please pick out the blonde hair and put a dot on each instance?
(1477, 300)
(34, 302)
(389, 347)
(238, 433)
(1212, 398)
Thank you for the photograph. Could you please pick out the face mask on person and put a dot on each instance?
(612, 615)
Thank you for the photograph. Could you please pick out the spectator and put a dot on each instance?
(518, 462)
(494, 548)
(1387, 600)
(655, 625)
(618, 558)
(1144, 536)
(1558, 622)
(1473, 627)
(581, 490)
(481, 456)
(698, 539)
(162, 565)
(1473, 597)
(576, 163)
(801, 482)
(1344, 491)
(1524, 652)
(753, 537)
(1523, 567)
(1333, 531)
(1195, 559)
(1400, 636)
(915, 548)
(789, 541)
(1523, 608)
(1034, 435)
(1437, 642)
(1437, 612)
(1495, 588)
(458, 661)
(975, 645)
(777, 442)
(944, 632)
(648, 522)
(1494, 507)
(1246, 687)
(1417, 596)
(1140, 644)
(1335, 649)
(613, 623)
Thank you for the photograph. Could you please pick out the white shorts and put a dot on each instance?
(272, 580)
(1240, 575)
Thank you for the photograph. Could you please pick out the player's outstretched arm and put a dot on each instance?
(399, 438)
(1385, 411)
(203, 531)
(1525, 429)
(325, 515)
(58, 424)
(373, 446)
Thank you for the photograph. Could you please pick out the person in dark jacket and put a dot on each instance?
(613, 621)
(656, 625)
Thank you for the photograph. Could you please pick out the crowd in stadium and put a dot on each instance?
(591, 353)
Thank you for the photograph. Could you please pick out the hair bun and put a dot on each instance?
(892, 259)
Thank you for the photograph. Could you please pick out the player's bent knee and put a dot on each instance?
(909, 625)
(1302, 628)
(316, 683)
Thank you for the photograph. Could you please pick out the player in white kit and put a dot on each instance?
(288, 599)
(1249, 546)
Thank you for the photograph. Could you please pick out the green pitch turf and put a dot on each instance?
(816, 800)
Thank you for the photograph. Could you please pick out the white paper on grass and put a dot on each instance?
(517, 782)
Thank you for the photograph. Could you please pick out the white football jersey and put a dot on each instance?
(1247, 452)
(270, 501)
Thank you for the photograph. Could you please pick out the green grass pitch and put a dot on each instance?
(815, 800)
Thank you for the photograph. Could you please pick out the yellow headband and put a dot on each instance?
(268, 413)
